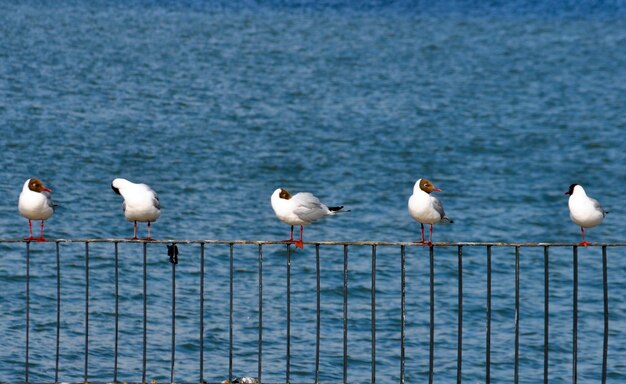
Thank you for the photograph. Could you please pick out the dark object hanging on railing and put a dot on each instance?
(172, 252)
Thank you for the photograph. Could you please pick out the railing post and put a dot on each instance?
(86, 311)
(117, 312)
(575, 316)
(459, 361)
(230, 315)
(488, 332)
(516, 373)
(26, 363)
(317, 313)
(58, 336)
(201, 312)
(546, 314)
(605, 289)
(288, 352)
(173, 317)
(260, 357)
(373, 314)
(402, 309)
(145, 312)
(345, 314)
(431, 347)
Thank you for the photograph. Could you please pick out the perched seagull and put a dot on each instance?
(35, 203)
(141, 203)
(425, 208)
(583, 210)
(300, 209)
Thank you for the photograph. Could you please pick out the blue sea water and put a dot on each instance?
(216, 104)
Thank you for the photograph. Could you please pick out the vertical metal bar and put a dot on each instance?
(345, 314)
(575, 317)
(288, 352)
(260, 357)
(605, 344)
(86, 312)
(145, 312)
(459, 352)
(516, 374)
(201, 312)
(117, 313)
(58, 337)
(318, 314)
(26, 367)
(402, 310)
(230, 317)
(546, 313)
(373, 314)
(488, 335)
(173, 320)
(431, 347)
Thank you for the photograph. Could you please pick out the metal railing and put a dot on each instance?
(347, 247)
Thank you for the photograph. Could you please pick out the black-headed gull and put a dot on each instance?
(426, 208)
(300, 209)
(583, 210)
(141, 203)
(35, 203)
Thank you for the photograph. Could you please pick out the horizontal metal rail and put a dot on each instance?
(344, 288)
(313, 243)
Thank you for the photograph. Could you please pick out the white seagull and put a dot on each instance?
(300, 209)
(141, 203)
(35, 203)
(583, 210)
(425, 208)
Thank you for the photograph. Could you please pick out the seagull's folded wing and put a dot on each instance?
(308, 207)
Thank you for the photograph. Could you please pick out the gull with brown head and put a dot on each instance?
(300, 209)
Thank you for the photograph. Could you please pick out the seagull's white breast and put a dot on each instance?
(421, 208)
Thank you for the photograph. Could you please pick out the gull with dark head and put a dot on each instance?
(35, 203)
(426, 208)
(583, 210)
(141, 203)
(300, 209)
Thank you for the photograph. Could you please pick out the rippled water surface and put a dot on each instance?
(217, 105)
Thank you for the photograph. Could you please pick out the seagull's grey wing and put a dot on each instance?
(49, 199)
(597, 206)
(309, 208)
(439, 208)
(124, 206)
(156, 201)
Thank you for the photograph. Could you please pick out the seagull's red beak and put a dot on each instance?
(437, 189)
(567, 193)
(46, 189)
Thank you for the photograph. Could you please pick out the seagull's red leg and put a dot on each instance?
(30, 231)
(135, 231)
(430, 239)
(290, 236)
(299, 243)
(583, 243)
(41, 239)
(148, 238)
(423, 240)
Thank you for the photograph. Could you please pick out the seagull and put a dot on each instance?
(583, 210)
(35, 203)
(141, 203)
(300, 209)
(425, 208)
